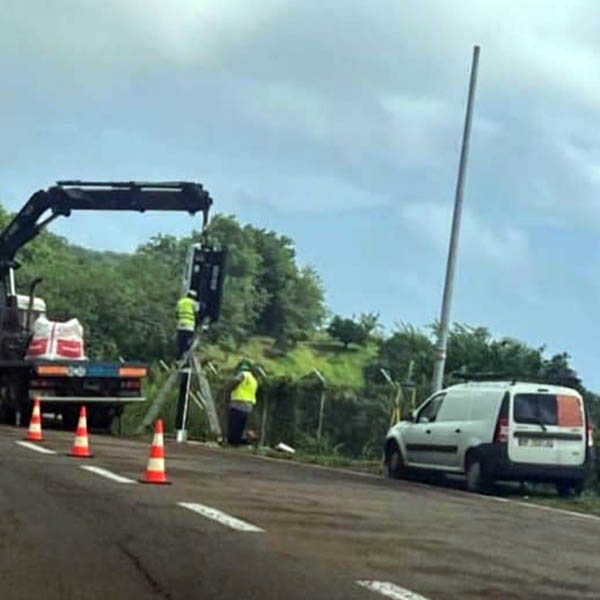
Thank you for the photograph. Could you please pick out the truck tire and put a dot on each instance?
(7, 413)
(101, 417)
(17, 399)
(70, 417)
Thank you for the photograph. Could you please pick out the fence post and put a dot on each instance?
(265, 408)
(263, 420)
(321, 410)
(321, 407)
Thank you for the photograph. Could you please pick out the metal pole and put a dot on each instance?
(184, 394)
(442, 341)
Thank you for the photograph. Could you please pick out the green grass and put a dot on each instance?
(588, 502)
(338, 365)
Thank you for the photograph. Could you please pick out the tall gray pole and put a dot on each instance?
(442, 341)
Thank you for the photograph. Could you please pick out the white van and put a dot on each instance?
(497, 430)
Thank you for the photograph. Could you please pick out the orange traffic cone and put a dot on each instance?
(34, 433)
(81, 447)
(155, 471)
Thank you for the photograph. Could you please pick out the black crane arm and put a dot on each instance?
(67, 196)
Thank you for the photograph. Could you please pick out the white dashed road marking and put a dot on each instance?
(35, 447)
(221, 517)
(106, 473)
(389, 590)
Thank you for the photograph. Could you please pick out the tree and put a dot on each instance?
(369, 322)
(266, 292)
(347, 331)
(407, 344)
(558, 369)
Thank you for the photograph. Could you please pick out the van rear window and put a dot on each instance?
(548, 409)
(536, 408)
(569, 411)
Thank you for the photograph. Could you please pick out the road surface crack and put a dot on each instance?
(137, 563)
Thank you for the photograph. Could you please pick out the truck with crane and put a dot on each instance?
(64, 385)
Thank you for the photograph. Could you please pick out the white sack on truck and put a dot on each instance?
(56, 341)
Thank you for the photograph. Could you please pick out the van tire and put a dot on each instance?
(477, 480)
(567, 487)
(396, 468)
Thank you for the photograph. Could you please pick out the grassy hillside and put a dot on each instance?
(339, 366)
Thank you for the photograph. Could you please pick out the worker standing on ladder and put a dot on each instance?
(243, 389)
(186, 322)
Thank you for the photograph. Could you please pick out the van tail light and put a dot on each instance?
(501, 431)
(590, 435)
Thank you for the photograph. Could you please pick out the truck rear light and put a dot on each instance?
(55, 370)
(133, 372)
(501, 431)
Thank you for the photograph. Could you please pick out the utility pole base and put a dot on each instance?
(181, 435)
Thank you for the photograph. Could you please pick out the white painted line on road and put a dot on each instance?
(35, 447)
(571, 513)
(221, 517)
(106, 473)
(562, 511)
(390, 590)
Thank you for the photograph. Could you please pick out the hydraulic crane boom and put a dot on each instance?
(67, 196)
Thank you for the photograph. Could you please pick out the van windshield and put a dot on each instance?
(536, 409)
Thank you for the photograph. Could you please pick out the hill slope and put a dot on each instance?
(339, 366)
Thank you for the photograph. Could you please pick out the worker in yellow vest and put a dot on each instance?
(186, 322)
(243, 389)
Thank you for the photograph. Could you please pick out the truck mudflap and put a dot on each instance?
(87, 399)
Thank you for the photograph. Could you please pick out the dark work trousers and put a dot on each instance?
(184, 341)
(236, 426)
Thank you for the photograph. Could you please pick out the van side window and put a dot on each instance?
(428, 413)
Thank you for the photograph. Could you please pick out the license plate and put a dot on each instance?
(536, 443)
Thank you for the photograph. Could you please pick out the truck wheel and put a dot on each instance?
(101, 418)
(70, 417)
(477, 480)
(26, 410)
(7, 413)
(395, 464)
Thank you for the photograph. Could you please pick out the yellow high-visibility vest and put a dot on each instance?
(245, 391)
(186, 314)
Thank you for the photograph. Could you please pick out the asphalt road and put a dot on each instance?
(70, 534)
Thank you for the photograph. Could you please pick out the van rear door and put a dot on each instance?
(547, 428)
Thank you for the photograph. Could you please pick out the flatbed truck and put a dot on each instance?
(64, 385)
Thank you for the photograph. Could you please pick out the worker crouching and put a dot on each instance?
(242, 400)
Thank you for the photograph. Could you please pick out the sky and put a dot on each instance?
(339, 124)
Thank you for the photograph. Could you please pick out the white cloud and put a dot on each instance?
(316, 194)
(499, 244)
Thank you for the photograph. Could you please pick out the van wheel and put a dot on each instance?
(567, 488)
(395, 464)
(477, 480)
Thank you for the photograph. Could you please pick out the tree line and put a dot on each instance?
(126, 302)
